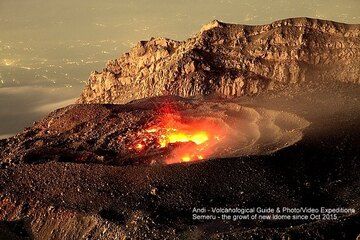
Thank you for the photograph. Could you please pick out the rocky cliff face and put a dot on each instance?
(231, 60)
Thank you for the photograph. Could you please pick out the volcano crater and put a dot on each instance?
(159, 130)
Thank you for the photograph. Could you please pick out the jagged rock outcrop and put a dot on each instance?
(231, 60)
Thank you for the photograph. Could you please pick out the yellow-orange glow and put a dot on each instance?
(183, 138)
(186, 158)
(152, 130)
(139, 146)
(175, 136)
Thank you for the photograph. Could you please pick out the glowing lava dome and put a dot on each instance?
(187, 138)
(201, 130)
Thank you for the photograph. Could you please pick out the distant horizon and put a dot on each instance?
(281, 19)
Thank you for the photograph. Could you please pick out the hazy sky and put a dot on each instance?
(49, 47)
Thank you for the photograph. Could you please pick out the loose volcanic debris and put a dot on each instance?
(56, 181)
(159, 130)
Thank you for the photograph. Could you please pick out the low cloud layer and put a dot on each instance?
(21, 106)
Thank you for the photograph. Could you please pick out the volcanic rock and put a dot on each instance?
(50, 187)
(231, 60)
(108, 134)
(58, 192)
(78, 174)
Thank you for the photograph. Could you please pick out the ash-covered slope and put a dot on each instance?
(231, 60)
(109, 134)
(50, 187)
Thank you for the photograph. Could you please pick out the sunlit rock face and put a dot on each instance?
(158, 130)
(231, 60)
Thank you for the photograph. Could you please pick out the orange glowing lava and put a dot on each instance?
(139, 146)
(188, 138)
(173, 135)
